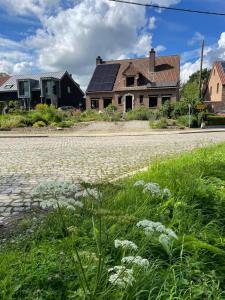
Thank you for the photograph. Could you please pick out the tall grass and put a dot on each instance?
(40, 261)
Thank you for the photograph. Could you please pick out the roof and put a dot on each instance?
(11, 83)
(167, 72)
(220, 66)
(3, 79)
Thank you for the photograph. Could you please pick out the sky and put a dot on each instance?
(54, 35)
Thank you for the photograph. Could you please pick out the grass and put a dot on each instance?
(39, 261)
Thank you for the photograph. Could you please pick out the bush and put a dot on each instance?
(166, 109)
(184, 121)
(213, 120)
(11, 121)
(141, 113)
(39, 124)
(41, 107)
(158, 124)
(91, 115)
(66, 124)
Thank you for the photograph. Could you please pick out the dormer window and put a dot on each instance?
(8, 86)
(130, 81)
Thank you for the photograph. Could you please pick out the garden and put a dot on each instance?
(157, 235)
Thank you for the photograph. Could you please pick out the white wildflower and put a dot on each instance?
(171, 233)
(125, 244)
(152, 188)
(150, 227)
(166, 193)
(139, 183)
(122, 277)
(164, 239)
(136, 260)
(94, 193)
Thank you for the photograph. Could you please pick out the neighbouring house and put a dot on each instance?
(3, 79)
(131, 83)
(56, 88)
(214, 92)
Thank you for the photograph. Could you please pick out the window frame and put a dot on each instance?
(95, 100)
(153, 106)
(128, 78)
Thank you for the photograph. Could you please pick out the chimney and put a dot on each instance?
(152, 60)
(98, 60)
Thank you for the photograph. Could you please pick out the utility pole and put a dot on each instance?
(201, 64)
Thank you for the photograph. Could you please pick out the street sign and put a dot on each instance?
(200, 106)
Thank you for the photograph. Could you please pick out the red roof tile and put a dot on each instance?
(3, 79)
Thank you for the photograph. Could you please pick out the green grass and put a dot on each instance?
(39, 261)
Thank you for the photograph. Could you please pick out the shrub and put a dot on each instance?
(41, 107)
(11, 121)
(66, 124)
(158, 124)
(184, 121)
(166, 109)
(39, 124)
(91, 115)
(213, 120)
(141, 113)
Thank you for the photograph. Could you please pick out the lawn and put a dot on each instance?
(158, 235)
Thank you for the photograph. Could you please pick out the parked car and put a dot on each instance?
(221, 113)
(66, 108)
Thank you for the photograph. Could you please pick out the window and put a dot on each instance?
(130, 81)
(165, 98)
(8, 86)
(120, 100)
(68, 90)
(217, 88)
(94, 103)
(107, 102)
(141, 98)
(24, 88)
(210, 91)
(153, 101)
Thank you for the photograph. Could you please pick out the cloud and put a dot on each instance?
(152, 22)
(211, 54)
(74, 32)
(27, 7)
(198, 37)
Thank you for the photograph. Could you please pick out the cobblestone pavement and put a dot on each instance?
(24, 162)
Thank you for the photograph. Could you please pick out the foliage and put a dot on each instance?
(141, 113)
(215, 120)
(39, 124)
(13, 121)
(65, 124)
(184, 121)
(158, 124)
(158, 235)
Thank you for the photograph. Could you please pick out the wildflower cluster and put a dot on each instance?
(153, 188)
(122, 276)
(55, 194)
(136, 260)
(93, 193)
(151, 227)
(125, 244)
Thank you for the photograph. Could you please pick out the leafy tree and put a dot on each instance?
(190, 90)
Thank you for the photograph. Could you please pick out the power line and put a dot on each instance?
(171, 8)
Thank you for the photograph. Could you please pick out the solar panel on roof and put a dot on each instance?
(104, 78)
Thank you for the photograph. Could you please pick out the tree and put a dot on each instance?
(190, 90)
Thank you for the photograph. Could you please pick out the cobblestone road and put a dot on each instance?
(24, 162)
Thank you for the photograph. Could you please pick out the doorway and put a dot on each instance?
(129, 103)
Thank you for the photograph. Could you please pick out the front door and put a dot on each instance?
(129, 100)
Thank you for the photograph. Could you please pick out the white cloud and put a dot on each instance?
(197, 37)
(71, 38)
(211, 53)
(26, 7)
(152, 22)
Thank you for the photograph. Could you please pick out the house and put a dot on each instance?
(214, 94)
(131, 83)
(3, 79)
(56, 88)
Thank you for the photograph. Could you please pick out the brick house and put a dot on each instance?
(56, 88)
(131, 83)
(214, 94)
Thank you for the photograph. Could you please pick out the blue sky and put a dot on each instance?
(43, 35)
